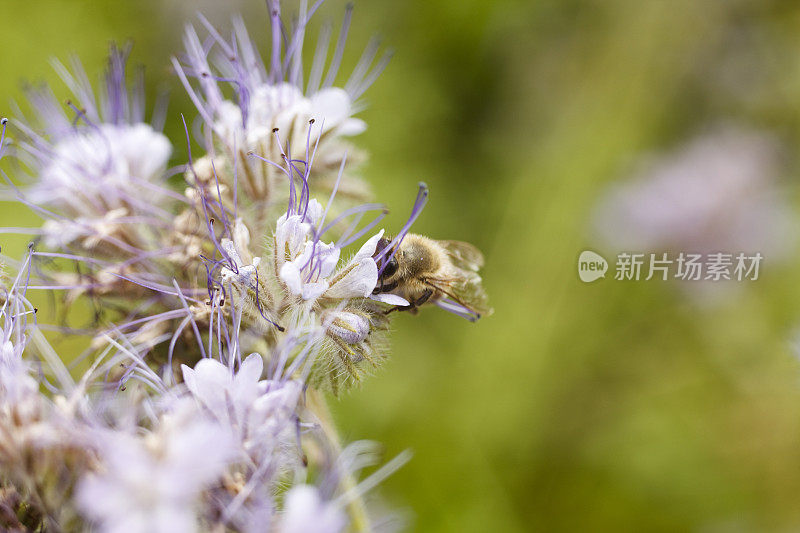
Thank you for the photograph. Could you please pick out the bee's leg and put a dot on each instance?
(412, 307)
(424, 298)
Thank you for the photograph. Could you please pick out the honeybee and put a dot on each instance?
(424, 270)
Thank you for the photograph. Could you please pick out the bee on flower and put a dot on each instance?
(225, 312)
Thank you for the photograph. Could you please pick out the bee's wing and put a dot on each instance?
(463, 255)
(466, 290)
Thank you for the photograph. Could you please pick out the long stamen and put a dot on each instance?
(291, 209)
(363, 231)
(4, 123)
(323, 42)
(357, 210)
(275, 23)
(306, 191)
(203, 199)
(419, 204)
(457, 309)
(333, 69)
(334, 191)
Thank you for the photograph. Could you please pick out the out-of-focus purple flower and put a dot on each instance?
(107, 163)
(16, 381)
(282, 107)
(18, 388)
(106, 159)
(127, 447)
(151, 484)
(257, 413)
(307, 512)
(223, 393)
(273, 95)
(719, 192)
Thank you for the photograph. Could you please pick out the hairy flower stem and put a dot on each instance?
(316, 403)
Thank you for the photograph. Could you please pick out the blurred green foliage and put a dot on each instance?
(606, 407)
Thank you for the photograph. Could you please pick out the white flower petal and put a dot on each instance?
(352, 126)
(251, 368)
(392, 299)
(210, 372)
(241, 238)
(314, 211)
(145, 150)
(368, 248)
(331, 106)
(188, 378)
(230, 249)
(228, 123)
(290, 275)
(360, 280)
(328, 257)
(306, 512)
(312, 291)
(290, 236)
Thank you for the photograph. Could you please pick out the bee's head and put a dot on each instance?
(381, 255)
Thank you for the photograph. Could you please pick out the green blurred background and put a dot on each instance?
(605, 407)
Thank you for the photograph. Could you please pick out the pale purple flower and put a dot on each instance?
(359, 275)
(16, 382)
(312, 274)
(238, 270)
(292, 231)
(108, 162)
(223, 393)
(308, 266)
(128, 447)
(307, 512)
(718, 192)
(282, 107)
(151, 484)
(96, 156)
(273, 95)
(257, 413)
(307, 281)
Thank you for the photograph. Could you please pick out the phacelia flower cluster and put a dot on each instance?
(223, 313)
